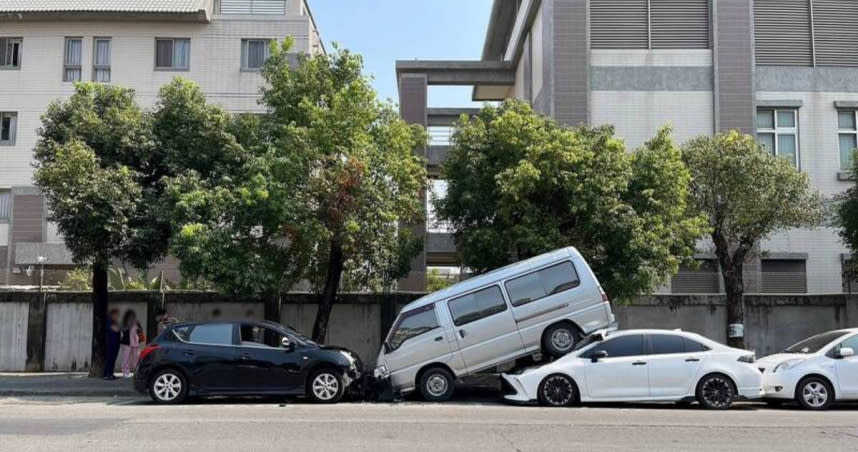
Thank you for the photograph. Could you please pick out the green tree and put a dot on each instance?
(747, 194)
(847, 220)
(362, 178)
(92, 165)
(520, 185)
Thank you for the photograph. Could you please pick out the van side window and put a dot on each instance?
(542, 283)
(412, 324)
(477, 305)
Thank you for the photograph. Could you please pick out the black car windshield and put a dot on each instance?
(815, 343)
(301, 338)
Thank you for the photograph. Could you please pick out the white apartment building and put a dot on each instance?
(46, 45)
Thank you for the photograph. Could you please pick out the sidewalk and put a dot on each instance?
(63, 384)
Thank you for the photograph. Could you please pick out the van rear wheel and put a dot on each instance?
(559, 339)
(436, 385)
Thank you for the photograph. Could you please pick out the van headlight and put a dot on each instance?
(380, 372)
(787, 365)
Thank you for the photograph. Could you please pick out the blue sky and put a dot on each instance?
(438, 29)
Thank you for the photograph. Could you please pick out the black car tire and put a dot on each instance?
(557, 390)
(716, 392)
(560, 339)
(437, 385)
(325, 386)
(168, 387)
(821, 399)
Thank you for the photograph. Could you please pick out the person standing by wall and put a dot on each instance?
(164, 320)
(130, 342)
(113, 336)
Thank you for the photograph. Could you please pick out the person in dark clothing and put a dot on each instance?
(112, 332)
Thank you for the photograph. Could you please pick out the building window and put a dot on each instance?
(437, 192)
(10, 53)
(101, 60)
(777, 131)
(7, 128)
(783, 276)
(173, 54)
(277, 7)
(5, 205)
(701, 278)
(848, 136)
(254, 52)
(71, 60)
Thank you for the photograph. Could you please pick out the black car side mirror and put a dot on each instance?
(597, 355)
(286, 343)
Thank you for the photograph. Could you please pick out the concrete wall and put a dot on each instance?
(13, 335)
(359, 321)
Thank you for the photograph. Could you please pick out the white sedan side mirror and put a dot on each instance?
(846, 352)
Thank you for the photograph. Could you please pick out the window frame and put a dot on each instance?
(853, 132)
(405, 315)
(245, 53)
(5, 214)
(97, 67)
(778, 131)
(13, 126)
(20, 41)
(555, 264)
(506, 305)
(66, 66)
(173, 55)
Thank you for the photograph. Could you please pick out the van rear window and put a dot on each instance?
(542, 283)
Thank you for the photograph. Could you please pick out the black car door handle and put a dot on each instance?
(439, 338)
(189, 353)
(639, 363)
(245, 356)
(692, 360)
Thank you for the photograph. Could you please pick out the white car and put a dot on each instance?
(814, 372)
(642, 365)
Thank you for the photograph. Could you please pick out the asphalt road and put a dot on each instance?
(63, 424)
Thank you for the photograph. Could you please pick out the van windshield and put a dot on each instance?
(410, 325)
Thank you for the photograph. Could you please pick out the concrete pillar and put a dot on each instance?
(733, 56)
(413, 104)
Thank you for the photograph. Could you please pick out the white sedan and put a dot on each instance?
(813, 372)
(642, 365)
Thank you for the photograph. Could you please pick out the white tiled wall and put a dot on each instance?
(215, 65)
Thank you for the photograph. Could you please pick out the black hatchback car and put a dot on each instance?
(242, 358)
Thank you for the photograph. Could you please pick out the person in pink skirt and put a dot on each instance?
(129, 342)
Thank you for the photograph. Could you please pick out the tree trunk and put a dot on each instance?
(734, 285)
(272, 307)
(99, 320)
(329, 294)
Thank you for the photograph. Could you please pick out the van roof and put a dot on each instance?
(492, 276)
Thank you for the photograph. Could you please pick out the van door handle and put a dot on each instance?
(692, 360)
(439, 338)
(639, 363)
(462, 333)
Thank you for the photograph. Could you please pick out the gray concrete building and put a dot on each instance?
(785, 70)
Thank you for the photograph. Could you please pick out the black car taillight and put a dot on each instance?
(149, 349)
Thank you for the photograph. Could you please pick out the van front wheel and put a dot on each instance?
(559, 339)
(436, 385)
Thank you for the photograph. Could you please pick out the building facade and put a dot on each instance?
(46, 45)
(785, 70)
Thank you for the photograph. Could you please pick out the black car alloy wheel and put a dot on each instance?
(716, 392)
(168, 387)
(557, 390)
(326, 386)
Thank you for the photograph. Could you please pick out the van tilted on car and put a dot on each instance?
(541, 305)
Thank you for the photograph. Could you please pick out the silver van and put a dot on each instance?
(541, 305)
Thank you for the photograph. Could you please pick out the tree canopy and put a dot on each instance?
(519, 185)
(747, 194)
